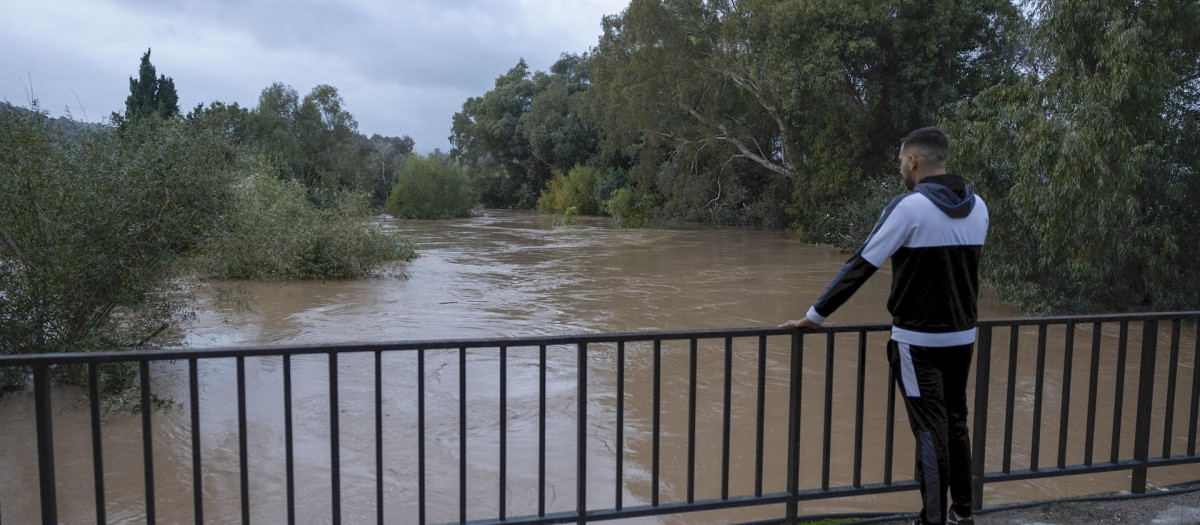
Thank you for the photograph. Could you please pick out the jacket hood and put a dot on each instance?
(949, 192)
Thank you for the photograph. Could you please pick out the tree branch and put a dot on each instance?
(741, 146)
(12, 245)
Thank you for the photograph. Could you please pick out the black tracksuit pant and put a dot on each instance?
(934, 383)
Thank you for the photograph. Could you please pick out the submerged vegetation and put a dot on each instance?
(430, 187)
(271, 231)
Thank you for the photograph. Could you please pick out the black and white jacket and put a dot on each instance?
(934, 236)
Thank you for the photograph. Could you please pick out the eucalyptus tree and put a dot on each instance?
(1093, 159)
(808, 95)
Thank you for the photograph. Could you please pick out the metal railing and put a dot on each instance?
(771, 366)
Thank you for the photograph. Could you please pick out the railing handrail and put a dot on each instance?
(530, 341)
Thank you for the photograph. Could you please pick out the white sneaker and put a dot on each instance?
(955, 519)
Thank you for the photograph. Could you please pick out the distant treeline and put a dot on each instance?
(1078, 121)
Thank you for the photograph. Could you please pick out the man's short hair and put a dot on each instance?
(933, 141)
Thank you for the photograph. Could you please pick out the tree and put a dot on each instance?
(327, 135)
(485, 136)
(229, 120)
(428, 187)
(149, 95)
(1091, 159)
(552, 127)
(515, 136)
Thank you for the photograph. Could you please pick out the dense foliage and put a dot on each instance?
(1077, 120)
(271, 231)
(92, 225)
(577, 189)
(1092, 159)
(515, 136)
(430, 187)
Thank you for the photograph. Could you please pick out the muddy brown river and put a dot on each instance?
(505, 273)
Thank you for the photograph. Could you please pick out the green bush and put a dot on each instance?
(574, 190)
(629, 211)
(430, 188)
(858, 213)
(273, 231)
(92, 225)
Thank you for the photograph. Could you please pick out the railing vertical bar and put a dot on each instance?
(421, 436)
(581, 436)
(1194, 420)
(97, 449)
(859, 393)
(503, 429)
(620, 483)
(379, 436)
(45, 443)
(983, 375)
(1173, 373)
(761, 420)
(243, 451)
(1065, 412)
(335, 460)
(1093, 384)
(462, 434)
(793, 444)
(889, 433)
(1141, 440)
(827, 436)
(726, 420)
(1010, 403)
(1038, 391)
(1119, 395)
(147, 440)
(289, 447)
(656, 422)
(541, 430)
(691, 445)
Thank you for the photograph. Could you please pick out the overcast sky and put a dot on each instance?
(402, 67)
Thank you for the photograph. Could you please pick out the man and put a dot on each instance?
(934, 235)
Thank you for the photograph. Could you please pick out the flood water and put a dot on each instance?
(503, 274)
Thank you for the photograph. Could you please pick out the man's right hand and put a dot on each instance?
(800, 323)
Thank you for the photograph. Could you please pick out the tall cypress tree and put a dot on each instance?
(167, 103)
(149, 95)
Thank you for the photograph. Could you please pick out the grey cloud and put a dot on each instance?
(402, 67)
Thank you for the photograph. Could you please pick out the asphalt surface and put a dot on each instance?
(1182, 508)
